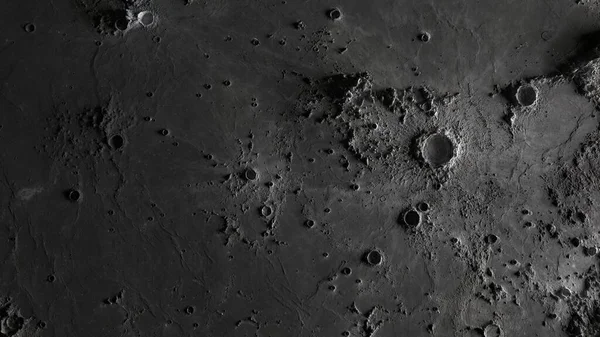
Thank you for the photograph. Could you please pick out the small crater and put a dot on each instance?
(309, 223)
(73, 195)
(250, 174)
(411, 218)
(145, 18)
(29, 28)
(373, 257)
(546, 35)
(526, 95)
(122, 24)
(490, 239)
(563, 292)
(575, 242)
(437, 150)
(424, 37)
(492, 330)
(116, 142)
(112, 21)
(334, 14)
(266, 211)
(591, 251)
(11, 325)
(423, 207)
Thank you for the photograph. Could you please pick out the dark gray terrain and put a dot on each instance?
(221, 168)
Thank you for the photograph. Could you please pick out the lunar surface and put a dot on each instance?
(273, 168)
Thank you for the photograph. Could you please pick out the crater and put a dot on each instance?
(437, 150)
